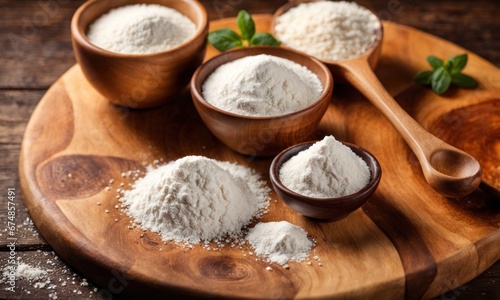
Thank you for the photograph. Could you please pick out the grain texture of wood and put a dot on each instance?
(406, 241)
(42, 52)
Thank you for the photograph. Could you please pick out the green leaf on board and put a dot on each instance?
(445, 73)
(463, 80)
(246, 25)
(224, 39)
(424, 77)
(458, 63)
(434, 62)
(441, 81)
(264, 39)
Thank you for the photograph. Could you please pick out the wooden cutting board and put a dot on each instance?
(406, 241)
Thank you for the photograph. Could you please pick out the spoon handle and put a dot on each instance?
(448, 170)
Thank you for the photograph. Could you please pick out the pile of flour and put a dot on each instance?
(326, 169)
(328, 30)
(196, 198)
(25, 271)
(140, 29)
(280, 242)
(262, 85)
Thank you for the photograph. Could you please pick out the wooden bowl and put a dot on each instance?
(339, 72)
(327, 209)
(139, 80)
(262, 136)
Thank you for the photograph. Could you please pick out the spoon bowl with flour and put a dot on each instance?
(350, 51)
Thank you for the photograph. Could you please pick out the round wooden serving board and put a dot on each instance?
(406, 241)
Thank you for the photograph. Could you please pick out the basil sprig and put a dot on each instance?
(225, 39)
(445, 73)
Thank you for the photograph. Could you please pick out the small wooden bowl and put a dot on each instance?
(262, 136)
(339, 72)
(326, 209)
(139, 80)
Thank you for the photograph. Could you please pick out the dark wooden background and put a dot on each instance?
(35, 50)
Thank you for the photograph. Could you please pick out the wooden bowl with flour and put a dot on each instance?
(262, 135)
(325, 209)
(139, 80)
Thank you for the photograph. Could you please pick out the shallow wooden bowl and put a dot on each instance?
(139, 80)
(262, 136)
(327, 209)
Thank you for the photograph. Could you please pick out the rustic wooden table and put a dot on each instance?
(36, 50)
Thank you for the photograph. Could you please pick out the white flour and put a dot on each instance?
(140, 29)
(25, 271)
(327, 169)
(280, 242)
(196, 198)
(328, 30)
(262, 85)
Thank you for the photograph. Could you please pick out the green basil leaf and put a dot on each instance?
(448, 65)
(458, 63)
(264, 39)
(435, 62)
(246, 25)
(463, 80)
(441, 81)
(424, 77)
(224, 39)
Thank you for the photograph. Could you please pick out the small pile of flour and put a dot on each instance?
(196, 198)
(262, 85)
(328, 30)
(280, 242)
(327, 169)
(140, 29)
(25, 271)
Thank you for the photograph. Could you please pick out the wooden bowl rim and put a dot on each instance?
(196, 84)
(360, 196)
(80, 37)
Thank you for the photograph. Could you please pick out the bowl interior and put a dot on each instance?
(92, 10)
(360, 196)
(208, 67)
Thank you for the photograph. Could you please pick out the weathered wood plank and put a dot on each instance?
(60, 281)
(35, 41)
(16, 107)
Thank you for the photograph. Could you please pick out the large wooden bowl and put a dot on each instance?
(139, 80)
(262, 136)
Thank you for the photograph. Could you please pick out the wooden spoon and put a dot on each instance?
(448, 170)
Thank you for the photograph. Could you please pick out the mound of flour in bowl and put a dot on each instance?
(262, 85)
(196, 198)
(141, 29)
(327, 169)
